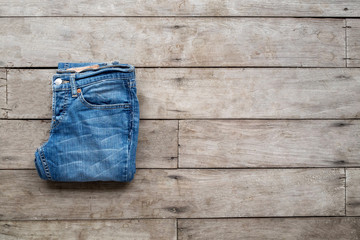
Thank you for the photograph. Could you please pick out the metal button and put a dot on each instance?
(58, 81)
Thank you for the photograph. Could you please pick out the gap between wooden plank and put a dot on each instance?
(346, 43)
(176, 218)
(189, 16)
(178, 142)
(211, 168)
(174, 119)
(345, 170)
(177, 228)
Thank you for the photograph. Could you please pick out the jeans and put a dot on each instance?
(95, 124)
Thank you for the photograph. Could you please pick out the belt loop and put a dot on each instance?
(73, 85)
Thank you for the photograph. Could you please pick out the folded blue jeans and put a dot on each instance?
(95, 124)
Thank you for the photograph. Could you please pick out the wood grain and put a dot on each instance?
(3, 104)
(29, 93)
(157, 143)
(174, 93)
(352, 192)
(318, 8)
(43, 42)
(190, 193)
(19, 140)
(353, 42)
(223, 85)
(162, 229)
(270, 228)
(254, 144)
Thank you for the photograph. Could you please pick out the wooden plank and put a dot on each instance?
(249, 143)
(353, 42)
(316, 8)
(352, 192)
(97, 229)
(19, 140)
(270, 228)
(157, 143)
(189, 193)
(174, 93)
(30, 93)
(34, 42)
(3, 103)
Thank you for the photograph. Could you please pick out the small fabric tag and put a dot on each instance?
(79, 69)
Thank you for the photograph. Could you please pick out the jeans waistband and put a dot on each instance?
(65, 67)
(75, 75)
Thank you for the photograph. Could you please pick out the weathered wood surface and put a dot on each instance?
(162, 229)
(157, 145)
(318, 8)
(249, 143)
(353, 192)
(35, 42)
(190, 193)
(270, 228)
(293, 108)
(353, 42)
(173, 93)
(212, 143)
(29, 93)
(3, 104)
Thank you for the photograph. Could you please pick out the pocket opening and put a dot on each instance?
(105, 95)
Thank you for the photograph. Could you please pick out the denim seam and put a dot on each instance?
(104, 107)
(53, 107)
(130, 131)
(63, 113)
(44, 163)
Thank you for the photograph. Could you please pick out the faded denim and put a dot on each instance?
(95, 124)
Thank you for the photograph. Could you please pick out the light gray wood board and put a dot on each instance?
(318, 8)
(177, 93)
(270, 228)
(263, 143)
(3, 104)
(143, 229)
(353, 42)
(352, 192)
(185, 193)
(157, 143)
(43, 42)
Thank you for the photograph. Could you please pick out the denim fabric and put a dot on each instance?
(95, 124)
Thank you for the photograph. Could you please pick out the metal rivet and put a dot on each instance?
(58, 81)
(78, 90)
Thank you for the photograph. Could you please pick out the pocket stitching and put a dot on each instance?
(107, 106)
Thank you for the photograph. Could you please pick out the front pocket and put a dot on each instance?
(106, 94)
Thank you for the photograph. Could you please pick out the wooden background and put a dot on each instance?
(250, 116)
